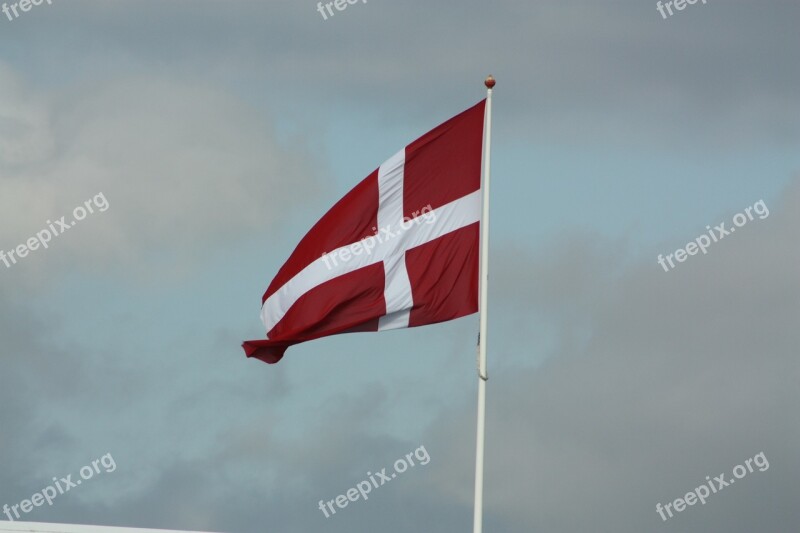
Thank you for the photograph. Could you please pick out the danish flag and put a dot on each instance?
(407, 243)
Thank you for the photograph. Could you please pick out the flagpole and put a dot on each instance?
(483, 287)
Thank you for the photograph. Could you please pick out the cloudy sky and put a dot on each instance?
(220, 131)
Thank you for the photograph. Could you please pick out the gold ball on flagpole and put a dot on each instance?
(489, 81)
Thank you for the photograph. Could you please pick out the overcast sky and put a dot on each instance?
(220, 131)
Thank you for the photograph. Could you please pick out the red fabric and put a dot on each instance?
(349, 221)
(445, 163)
(444, 277)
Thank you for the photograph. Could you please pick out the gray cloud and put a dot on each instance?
(685, 374)
(721, 74)
(613, 387)
(181, 164)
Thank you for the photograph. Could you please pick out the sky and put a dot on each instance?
(209, 136)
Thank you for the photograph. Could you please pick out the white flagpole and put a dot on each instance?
(483, 286)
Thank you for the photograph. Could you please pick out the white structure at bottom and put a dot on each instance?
(35, 527)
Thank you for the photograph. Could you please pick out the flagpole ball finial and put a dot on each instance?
(489, 81)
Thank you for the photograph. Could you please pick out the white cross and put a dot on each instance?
(397, 292)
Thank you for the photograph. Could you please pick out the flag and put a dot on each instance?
(399, 250)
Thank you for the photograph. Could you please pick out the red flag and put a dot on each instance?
(399, 250)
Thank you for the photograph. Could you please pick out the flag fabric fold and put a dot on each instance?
(399, 250)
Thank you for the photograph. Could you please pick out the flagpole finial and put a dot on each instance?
(489, 82)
